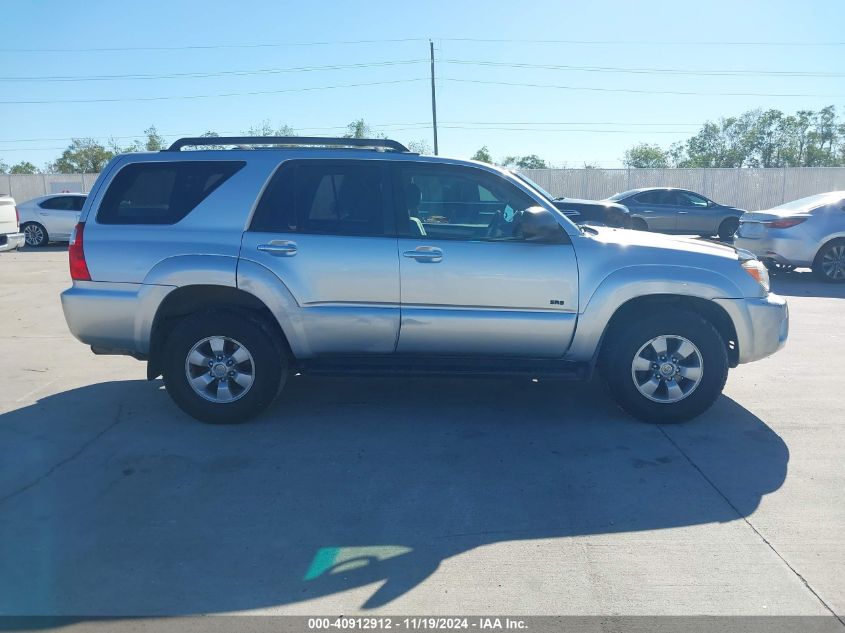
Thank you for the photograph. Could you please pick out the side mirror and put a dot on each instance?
(539, 225)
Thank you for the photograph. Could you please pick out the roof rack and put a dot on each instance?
(373, 143)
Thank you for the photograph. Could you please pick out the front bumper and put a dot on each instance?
(11, 241)
(794, 251)
(762, 325)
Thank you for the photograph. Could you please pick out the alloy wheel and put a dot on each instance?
(667, 368)
(220, 369)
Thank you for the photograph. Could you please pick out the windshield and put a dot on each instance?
(533, 185)
(810, 202)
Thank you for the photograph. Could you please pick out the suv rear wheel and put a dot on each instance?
(222, 367)
(665, 368)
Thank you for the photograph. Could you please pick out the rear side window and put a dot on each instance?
(60, 203)
(324, 197)
(162, 193)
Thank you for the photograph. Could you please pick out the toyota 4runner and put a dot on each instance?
(228, 269)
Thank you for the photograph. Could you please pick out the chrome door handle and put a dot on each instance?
(683, 212)
(279, 248)
(425, 254)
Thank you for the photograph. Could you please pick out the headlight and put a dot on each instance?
(756, 269)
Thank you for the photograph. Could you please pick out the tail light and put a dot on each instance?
(76, 255)
(786, 223)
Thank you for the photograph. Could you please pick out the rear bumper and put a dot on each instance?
(11, 241)
(795, 251)
(114, 318)
(762, 325)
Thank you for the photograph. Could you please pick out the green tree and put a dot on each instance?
(155, 141)
(3, 167)
(420, 146)
(23, 167)
(361, 129)
(645, 156)
(483, 155)
(265, 128)
(532, 161)
(82, 156)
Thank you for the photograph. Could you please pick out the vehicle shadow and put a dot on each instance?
(114, 504)
(802, 283)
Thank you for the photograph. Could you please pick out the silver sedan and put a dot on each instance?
(809, 232)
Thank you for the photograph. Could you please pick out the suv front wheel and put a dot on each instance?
(222, 367)
(665, 367)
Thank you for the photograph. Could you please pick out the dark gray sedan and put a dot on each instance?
(669, 210)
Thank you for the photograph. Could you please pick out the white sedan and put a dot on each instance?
(50, 218)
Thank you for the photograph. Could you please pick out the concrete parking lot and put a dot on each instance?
(415, 497)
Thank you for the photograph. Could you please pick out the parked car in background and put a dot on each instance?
(10, 236)
(589, 212)
(50, 218)
(228, 270)
(670, 210)
(806, 232)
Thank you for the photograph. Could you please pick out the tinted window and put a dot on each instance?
(324, 197)
(458, 203)
(60, 203)
(162, 193)
(78, 203)
(658, 196)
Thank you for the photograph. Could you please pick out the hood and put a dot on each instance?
(594, 203)
(626, 237)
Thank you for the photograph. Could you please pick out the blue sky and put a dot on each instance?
(568, 127)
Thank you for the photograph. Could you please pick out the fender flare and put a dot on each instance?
(632, 282)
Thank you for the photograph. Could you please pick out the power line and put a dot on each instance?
(219, 73)
(656, 71)
(209, 96)
(581, 42)
(378, 64)
(389, 127)
(636, 91)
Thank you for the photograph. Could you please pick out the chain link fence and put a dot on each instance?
(746, 188)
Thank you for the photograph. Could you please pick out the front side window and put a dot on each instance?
(324, 197)
(162, 192)
(654, 197)
(688, 199)
(442, 202)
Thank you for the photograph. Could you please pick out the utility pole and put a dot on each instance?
(433, 97)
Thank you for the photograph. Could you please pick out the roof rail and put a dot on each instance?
(374, 143)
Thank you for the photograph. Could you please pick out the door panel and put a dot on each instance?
(694, 214)
(324, 228)
(496, 298)
(657, 209)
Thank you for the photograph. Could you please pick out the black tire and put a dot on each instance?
(35, 234)
(624, 342)
(268, 365)
(823, 270)
(727, 229)
(638, 224)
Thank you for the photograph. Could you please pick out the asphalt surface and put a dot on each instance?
(415, 497)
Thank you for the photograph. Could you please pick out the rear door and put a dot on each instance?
(60, 214)
(657, 208)
(469, 283)
(324, 228)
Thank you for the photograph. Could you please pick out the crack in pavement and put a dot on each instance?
(66, 460)
(749, 524)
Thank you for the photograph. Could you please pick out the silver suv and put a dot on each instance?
(228, 269)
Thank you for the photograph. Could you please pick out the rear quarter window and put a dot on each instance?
(162, 192)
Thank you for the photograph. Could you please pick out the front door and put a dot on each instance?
(60, 214)
(323, 226)
(695, 215)
(469, 283)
